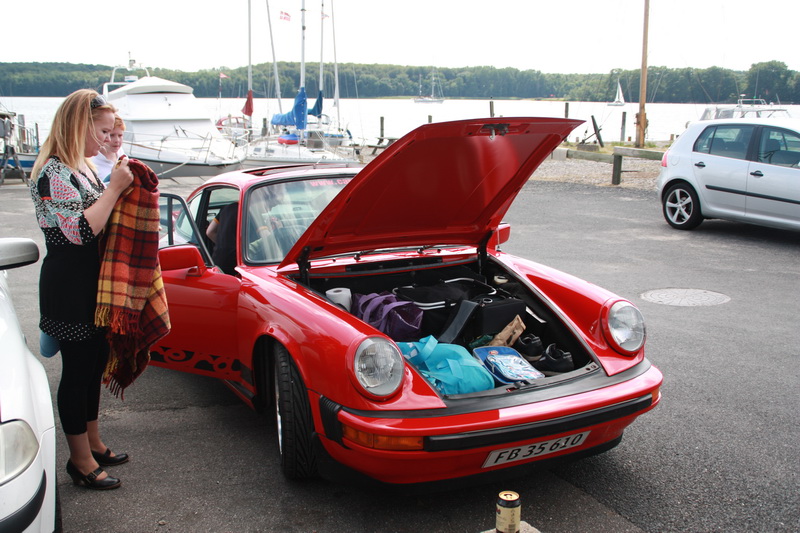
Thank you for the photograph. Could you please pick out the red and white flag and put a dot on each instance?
(285, 16)
(222, 75)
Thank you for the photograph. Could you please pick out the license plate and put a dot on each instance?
(538, 449)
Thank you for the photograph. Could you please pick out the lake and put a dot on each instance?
(363, 116)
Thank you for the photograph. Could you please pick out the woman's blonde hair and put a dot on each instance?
(67, 137)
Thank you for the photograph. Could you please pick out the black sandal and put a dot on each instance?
(106, 459)
(90, 480)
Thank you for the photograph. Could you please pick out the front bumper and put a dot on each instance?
(457, 445)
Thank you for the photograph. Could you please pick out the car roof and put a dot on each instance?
(244, 179)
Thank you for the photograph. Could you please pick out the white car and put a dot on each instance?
(746, 170)
(27, 428)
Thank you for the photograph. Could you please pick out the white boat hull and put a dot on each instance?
(166, 169)
(269, 152)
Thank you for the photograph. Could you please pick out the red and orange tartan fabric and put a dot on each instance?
(131, 300)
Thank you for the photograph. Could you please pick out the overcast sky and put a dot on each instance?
(575, 36)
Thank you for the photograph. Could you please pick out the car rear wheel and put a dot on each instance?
(294, 424)
(681, 207)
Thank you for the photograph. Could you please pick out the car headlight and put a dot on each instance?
(18, 449)
(624, 328)
(378, 367)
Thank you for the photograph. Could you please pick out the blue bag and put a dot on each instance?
(506, 364)
(450, 367)
(48, 345)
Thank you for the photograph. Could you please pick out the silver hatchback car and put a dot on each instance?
(746, 170)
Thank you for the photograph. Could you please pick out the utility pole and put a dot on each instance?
(641, 117)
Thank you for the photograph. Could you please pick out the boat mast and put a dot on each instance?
(249, 48)
(321, 47)
(303, 44)
(274, 62)
(335, 70)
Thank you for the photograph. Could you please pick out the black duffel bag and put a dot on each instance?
(439, 300)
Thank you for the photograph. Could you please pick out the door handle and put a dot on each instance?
(700, 165)
(757, 173)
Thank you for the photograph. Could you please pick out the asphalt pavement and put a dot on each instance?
(720, 453)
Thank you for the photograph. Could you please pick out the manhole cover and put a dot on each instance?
(685, 297)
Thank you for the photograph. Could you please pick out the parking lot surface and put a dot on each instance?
(718, 454)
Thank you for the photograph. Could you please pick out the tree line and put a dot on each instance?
(771, 80)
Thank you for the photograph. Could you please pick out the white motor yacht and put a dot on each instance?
(746, 108)
(169, 130)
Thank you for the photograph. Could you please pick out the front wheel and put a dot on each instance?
(294, 423)
(681, 207)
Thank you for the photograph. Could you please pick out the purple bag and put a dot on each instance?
(399, 319)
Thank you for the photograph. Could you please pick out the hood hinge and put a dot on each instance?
(483, 255)
(304, 265)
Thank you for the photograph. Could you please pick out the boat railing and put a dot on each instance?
(194, 145)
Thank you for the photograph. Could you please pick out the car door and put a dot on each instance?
(203, 302)
(720, 169)
(773, 182)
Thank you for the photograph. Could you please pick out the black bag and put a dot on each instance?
(494, 313)
(439, 301)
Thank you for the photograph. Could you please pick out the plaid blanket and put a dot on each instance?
(131, 300)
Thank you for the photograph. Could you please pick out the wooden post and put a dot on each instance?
(566, 109)
(641, 117)
(597, 132)
(491, 108)
(381, 127)
(622, 131)
(430, 119)
(616, 171)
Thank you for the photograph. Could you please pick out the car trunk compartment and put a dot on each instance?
(501, 298)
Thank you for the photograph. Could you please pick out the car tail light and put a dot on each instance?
(664, 159)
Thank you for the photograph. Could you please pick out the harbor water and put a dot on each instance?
(362, 117)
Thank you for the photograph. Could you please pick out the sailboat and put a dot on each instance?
(295, 143)
(435, 97)
(618, 99)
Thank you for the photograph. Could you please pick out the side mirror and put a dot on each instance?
(17, 252)
(183, 257)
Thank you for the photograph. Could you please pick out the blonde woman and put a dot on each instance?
(72, 208)
(109, 153)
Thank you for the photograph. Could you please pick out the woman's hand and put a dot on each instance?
(121, 177)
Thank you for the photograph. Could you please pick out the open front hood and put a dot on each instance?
(445, 183)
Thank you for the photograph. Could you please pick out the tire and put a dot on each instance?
(681, 207)
(294, 423)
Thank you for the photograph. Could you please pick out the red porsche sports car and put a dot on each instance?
(308, 241)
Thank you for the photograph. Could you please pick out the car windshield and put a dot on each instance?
(277, 214)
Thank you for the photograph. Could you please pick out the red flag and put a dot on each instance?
(285, 16)
(223, 75)
(247, 110)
